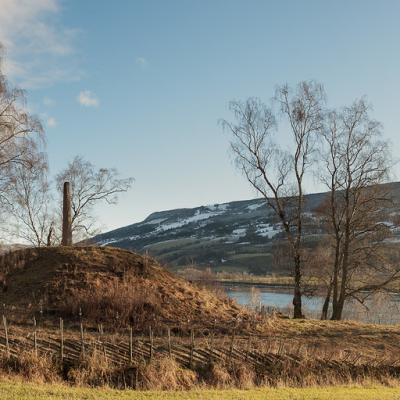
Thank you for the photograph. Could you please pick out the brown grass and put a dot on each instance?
(119, 288)
(164, 373)
(112, 286)
(224, 375)
(92, 370)
(31, 367)
(115, 301)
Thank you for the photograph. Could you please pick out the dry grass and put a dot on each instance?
(164, 373)
(111, 286)
(32, 367)
(115, 301)
(92, 370)
(224, 375)
(119, 288)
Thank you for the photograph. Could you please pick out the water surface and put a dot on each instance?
(380, 309)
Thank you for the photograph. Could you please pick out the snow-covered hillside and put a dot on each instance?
(236, 235)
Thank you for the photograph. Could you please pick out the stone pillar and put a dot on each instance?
(66, 227)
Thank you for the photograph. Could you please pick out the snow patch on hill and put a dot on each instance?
(253, 207)
(268, 230)
(197, 217)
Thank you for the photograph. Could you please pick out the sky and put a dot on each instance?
(140, 85)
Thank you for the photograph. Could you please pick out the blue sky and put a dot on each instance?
(141, 85)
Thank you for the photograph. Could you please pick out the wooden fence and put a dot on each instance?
(125, 349)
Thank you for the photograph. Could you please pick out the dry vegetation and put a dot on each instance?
(109, 286)
(110, 290)
(166, 373)
(294, 354)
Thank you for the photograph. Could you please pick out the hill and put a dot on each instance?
(233, 236)
(110, 286)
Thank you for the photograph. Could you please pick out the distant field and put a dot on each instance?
(10, 390)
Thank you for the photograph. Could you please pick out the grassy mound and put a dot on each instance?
(110, 286)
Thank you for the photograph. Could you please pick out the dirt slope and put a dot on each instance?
(109, 285)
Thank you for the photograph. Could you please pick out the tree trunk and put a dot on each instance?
(335, 282)
(297, 306)
(50, 236)
(339, 304)
(325, 307)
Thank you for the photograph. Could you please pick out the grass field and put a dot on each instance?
(19, 390)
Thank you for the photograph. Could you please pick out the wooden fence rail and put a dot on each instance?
(126, 349)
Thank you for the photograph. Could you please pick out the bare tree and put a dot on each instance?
(89, 187)
(29, 203)
(357, 209)
(19, 133)
(279, 175)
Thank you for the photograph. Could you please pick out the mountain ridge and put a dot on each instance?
(233, 236)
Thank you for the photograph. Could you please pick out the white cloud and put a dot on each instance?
(48, 102)
(37, 46)
(141, 61)
(87, 99)
(51, 122)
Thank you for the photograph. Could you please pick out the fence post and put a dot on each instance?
(169, 341)
(231, 346)
(191, 347)
(151, 342)
(35, 336)
(6, 334)
(130, 345)
(248, 347)
(82, 342)
(211, 345)
(61, 339)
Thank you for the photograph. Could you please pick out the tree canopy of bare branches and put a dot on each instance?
(276, 174)
(89, 186)
(356, 162)
(20, 133)
(30, 203)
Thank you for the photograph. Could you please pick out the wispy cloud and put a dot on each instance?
(48, 102)
(141, 61)
(51, 122)
(37, 45)
(87, 99)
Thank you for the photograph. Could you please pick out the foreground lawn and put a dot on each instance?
(18, 390)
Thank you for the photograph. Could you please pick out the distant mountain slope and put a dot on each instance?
(230, 236)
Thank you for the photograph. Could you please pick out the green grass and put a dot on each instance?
(18, 390)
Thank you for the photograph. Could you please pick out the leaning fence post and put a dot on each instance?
(169, 341)
(151, 342)
(191, 347)
(231, 346)
(211, 345)
(248, 347)
(82, 342)
(35, 336)
(61, 339)
(6, 334)
(130, 345)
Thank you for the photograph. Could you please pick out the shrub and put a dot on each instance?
(164, 373)
(92, 370)
(38, 368)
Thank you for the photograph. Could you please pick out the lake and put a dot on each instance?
(380, 309)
